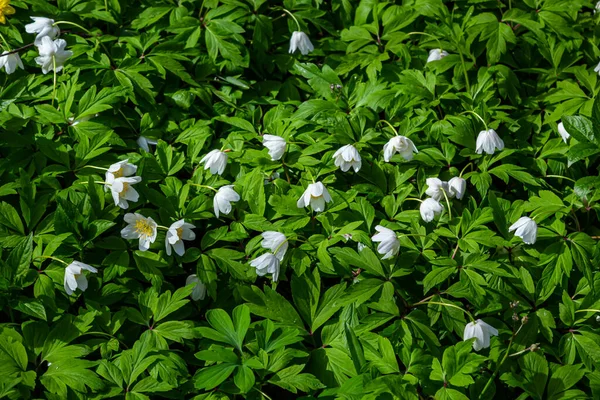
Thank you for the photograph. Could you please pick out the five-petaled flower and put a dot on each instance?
(5, 9)
(430, 208)
(399, 144)
(316, 195)
(52, 54)
(300, 41)
(266, 264)
(216, 160)
(482, 333)
(44, 27)
(140, 227)
(223, 199)
(389, 245)
(347, 157)
(276, 146)
(74, 277)
(526, 229)
(118, 170)
(10, 62)
(199, 291)
(276, 242)
(436, 55)
(436, 188)
(457, 187)
(177, 233)
(122, 191)
(488, 141)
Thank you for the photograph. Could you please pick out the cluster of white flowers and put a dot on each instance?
(269, 263)
(52, 53)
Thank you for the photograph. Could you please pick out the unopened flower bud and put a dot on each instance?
(525, 320)
(331, 87)
(515, 317)
(514, 304)
(338, 86)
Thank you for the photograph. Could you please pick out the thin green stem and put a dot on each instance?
(390, 125)
(55, 78)
(71, 23)
(411, 234)
(560, 176)
(413, 198)
(464, 68)
(52, 258)
(588, 310)
(446, 305)
(93, 166)
(279, 247)
(448, 203)
(489, 382)
(294, 18)
(477, 115)
(427, 34)
(106, 5)
(203, 186)
(162, 227)
(463, 170)
(5, 42)
(126, 120)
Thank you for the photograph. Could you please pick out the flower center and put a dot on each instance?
(124, 191)
(119, 173)
(180, 232)
(143, 227)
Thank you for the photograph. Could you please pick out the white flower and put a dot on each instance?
(488, 141)
(74, 277)
(199, 292)
(436, 188)
(10, 62)
(119, 170)
(429, 209)
(276, 242)
(436, 55)
(526, 229)
(563, 132)
(347, 157)
(481, 332)
(141, 228)
(399, 144)
(597, 7)
(360, 247)
(177, 233)
(316, 195)
(300, 41)
(223, 198)
(122, 191)
(347, 236)
(145, 143)
(43, 27)
(266, 264)
(52, 54)
(388, 242)
(276, 146)
(77, 121)
(216, 160)
(457, 187)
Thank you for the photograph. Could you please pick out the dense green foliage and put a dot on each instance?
(335, 318)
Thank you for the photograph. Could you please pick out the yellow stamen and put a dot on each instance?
(125, 189)
(143, 227)
(180, 232)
